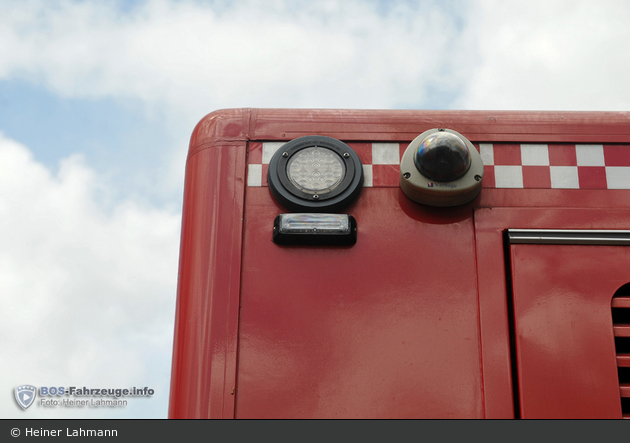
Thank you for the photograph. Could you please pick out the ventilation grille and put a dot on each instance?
(621, 327)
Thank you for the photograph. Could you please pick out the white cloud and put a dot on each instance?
(87, 294)
(196, 58)
(549, 55)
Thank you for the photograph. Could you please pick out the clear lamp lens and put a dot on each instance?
(315, 229)
(321, 223)
(316, 170)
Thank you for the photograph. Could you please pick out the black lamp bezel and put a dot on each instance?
(293, 198)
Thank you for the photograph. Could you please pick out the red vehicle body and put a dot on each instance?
(510, 306)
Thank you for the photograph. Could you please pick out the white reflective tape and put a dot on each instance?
(590, 155)
(534, 155)
(508, 176)
(254, 175)
(564, 177)
(385, 153)
(367, 176)
(269, 149)
(487, 153)
(618, 177)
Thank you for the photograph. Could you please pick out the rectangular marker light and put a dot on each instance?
(315, 229)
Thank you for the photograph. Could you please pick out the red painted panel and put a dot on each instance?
(205, 350)
(488, 176)
(387, 328)
(386, 176)
(556, 198)
(623, 360)
(616, 156)
(204, 354)
(507, 154)
(536, 177)
(582, 127)
(493, 314)
(565, 347)
(593, 177)
(622, 330)
(364, 151)
(382, 125)
(562, 155)
(490, 223)
(621, 302)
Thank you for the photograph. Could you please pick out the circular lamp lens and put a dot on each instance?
(442, 157)
(315, 174)
(316, 170)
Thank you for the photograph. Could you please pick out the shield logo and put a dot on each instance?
(25, 395)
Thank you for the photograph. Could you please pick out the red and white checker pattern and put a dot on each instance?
(519, 166)
(556, 166)
(381, 162)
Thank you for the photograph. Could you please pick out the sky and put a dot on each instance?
(98, 101)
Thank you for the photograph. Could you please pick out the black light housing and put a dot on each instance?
(315, 174)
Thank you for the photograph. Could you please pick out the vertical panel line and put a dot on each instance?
(511, 324)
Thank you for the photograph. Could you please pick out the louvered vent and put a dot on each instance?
(621, 327)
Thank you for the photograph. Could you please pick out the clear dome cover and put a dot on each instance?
(443, 157)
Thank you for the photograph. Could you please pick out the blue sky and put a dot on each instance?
(98, 101)
(113, 135)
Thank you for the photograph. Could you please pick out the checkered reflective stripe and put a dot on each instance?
(556, 166)
(542, 166)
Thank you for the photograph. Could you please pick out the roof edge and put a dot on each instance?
(235, 126)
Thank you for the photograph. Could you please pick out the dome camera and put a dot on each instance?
(441, 167)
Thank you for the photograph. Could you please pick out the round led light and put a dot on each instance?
(442, 156)
(316, 170)
(315, 174)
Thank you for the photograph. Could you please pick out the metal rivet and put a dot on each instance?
(346, 155)
(285, 154)
(406, 175)
(315, 197)
(442, 130)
